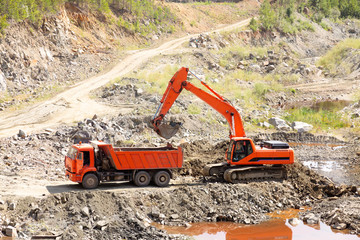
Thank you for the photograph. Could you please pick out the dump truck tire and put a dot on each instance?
(142, 179)
(90, 181)
(162, 179)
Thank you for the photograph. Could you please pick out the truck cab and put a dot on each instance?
(79, 160)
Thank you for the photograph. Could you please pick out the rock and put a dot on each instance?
(339, 226)
(294, 221)
(310, 218)
(301, 127)
(256, 67)
(101, 224)
(12, 206)
(22, 134)
(275, 121)
(174, 216)
(139, 92)
(81, 136)
(11, 232)
(355, 115)
(3, 84)
(279, 124)
(270, 68)
(85, 211)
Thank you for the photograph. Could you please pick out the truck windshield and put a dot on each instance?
(71, 153)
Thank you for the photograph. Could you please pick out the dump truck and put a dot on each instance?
(96, 161)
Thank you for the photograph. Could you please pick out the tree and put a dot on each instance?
(267, 16)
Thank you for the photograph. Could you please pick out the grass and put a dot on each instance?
(332, 60)
(240, 52)
(193, 109)
(157, 80)
(320, 119)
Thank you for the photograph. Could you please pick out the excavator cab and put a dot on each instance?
(239, 150)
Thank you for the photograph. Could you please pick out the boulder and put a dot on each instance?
(294, 221)
(339, 226)
(81, 136)
(22, 133)
(85, 212)
(301, 127)
(310, 218)
(11, 232)
(279, 124)
(12, 206)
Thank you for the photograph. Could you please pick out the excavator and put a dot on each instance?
(244, 160)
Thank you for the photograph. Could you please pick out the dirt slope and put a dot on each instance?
(75, 103)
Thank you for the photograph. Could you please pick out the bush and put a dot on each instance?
(254, 25)
(3, 24)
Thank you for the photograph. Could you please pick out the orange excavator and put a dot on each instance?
(244, 160)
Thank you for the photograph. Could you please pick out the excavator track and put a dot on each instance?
(236, 174)
(215, 169)
(253, 173)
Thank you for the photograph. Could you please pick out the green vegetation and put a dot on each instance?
(34, 11)
(321, 119)
(193, 109)
(332, 60)
(281, 15)
(254, 25)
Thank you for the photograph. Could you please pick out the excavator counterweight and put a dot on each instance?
(244, 159)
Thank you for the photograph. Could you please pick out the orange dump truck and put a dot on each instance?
(95, 162)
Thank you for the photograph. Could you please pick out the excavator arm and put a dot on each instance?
(179, 82)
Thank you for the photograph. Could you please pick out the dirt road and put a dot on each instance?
(75, 103)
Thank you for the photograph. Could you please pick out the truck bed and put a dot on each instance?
(142, 158)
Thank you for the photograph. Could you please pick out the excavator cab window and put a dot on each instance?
(229, 151)
(242, 149)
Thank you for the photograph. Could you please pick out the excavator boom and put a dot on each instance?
(244, 160)
(179, 82)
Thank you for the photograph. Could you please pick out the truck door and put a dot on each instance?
(79, 161)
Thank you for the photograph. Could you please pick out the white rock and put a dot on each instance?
(294, 221)
(301, 127)
(275, 121)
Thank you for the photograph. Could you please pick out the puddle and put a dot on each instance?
(322, 166)
(274, 229)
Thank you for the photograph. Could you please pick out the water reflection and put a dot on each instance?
(275, 229)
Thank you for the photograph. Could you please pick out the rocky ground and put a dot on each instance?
(325, 176)
(190, 198)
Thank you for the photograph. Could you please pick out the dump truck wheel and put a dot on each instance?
(90, 181)
(142, 179)
(162, 179)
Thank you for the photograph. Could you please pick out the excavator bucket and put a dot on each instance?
(167, 131)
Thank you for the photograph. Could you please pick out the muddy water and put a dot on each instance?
(274, 229)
